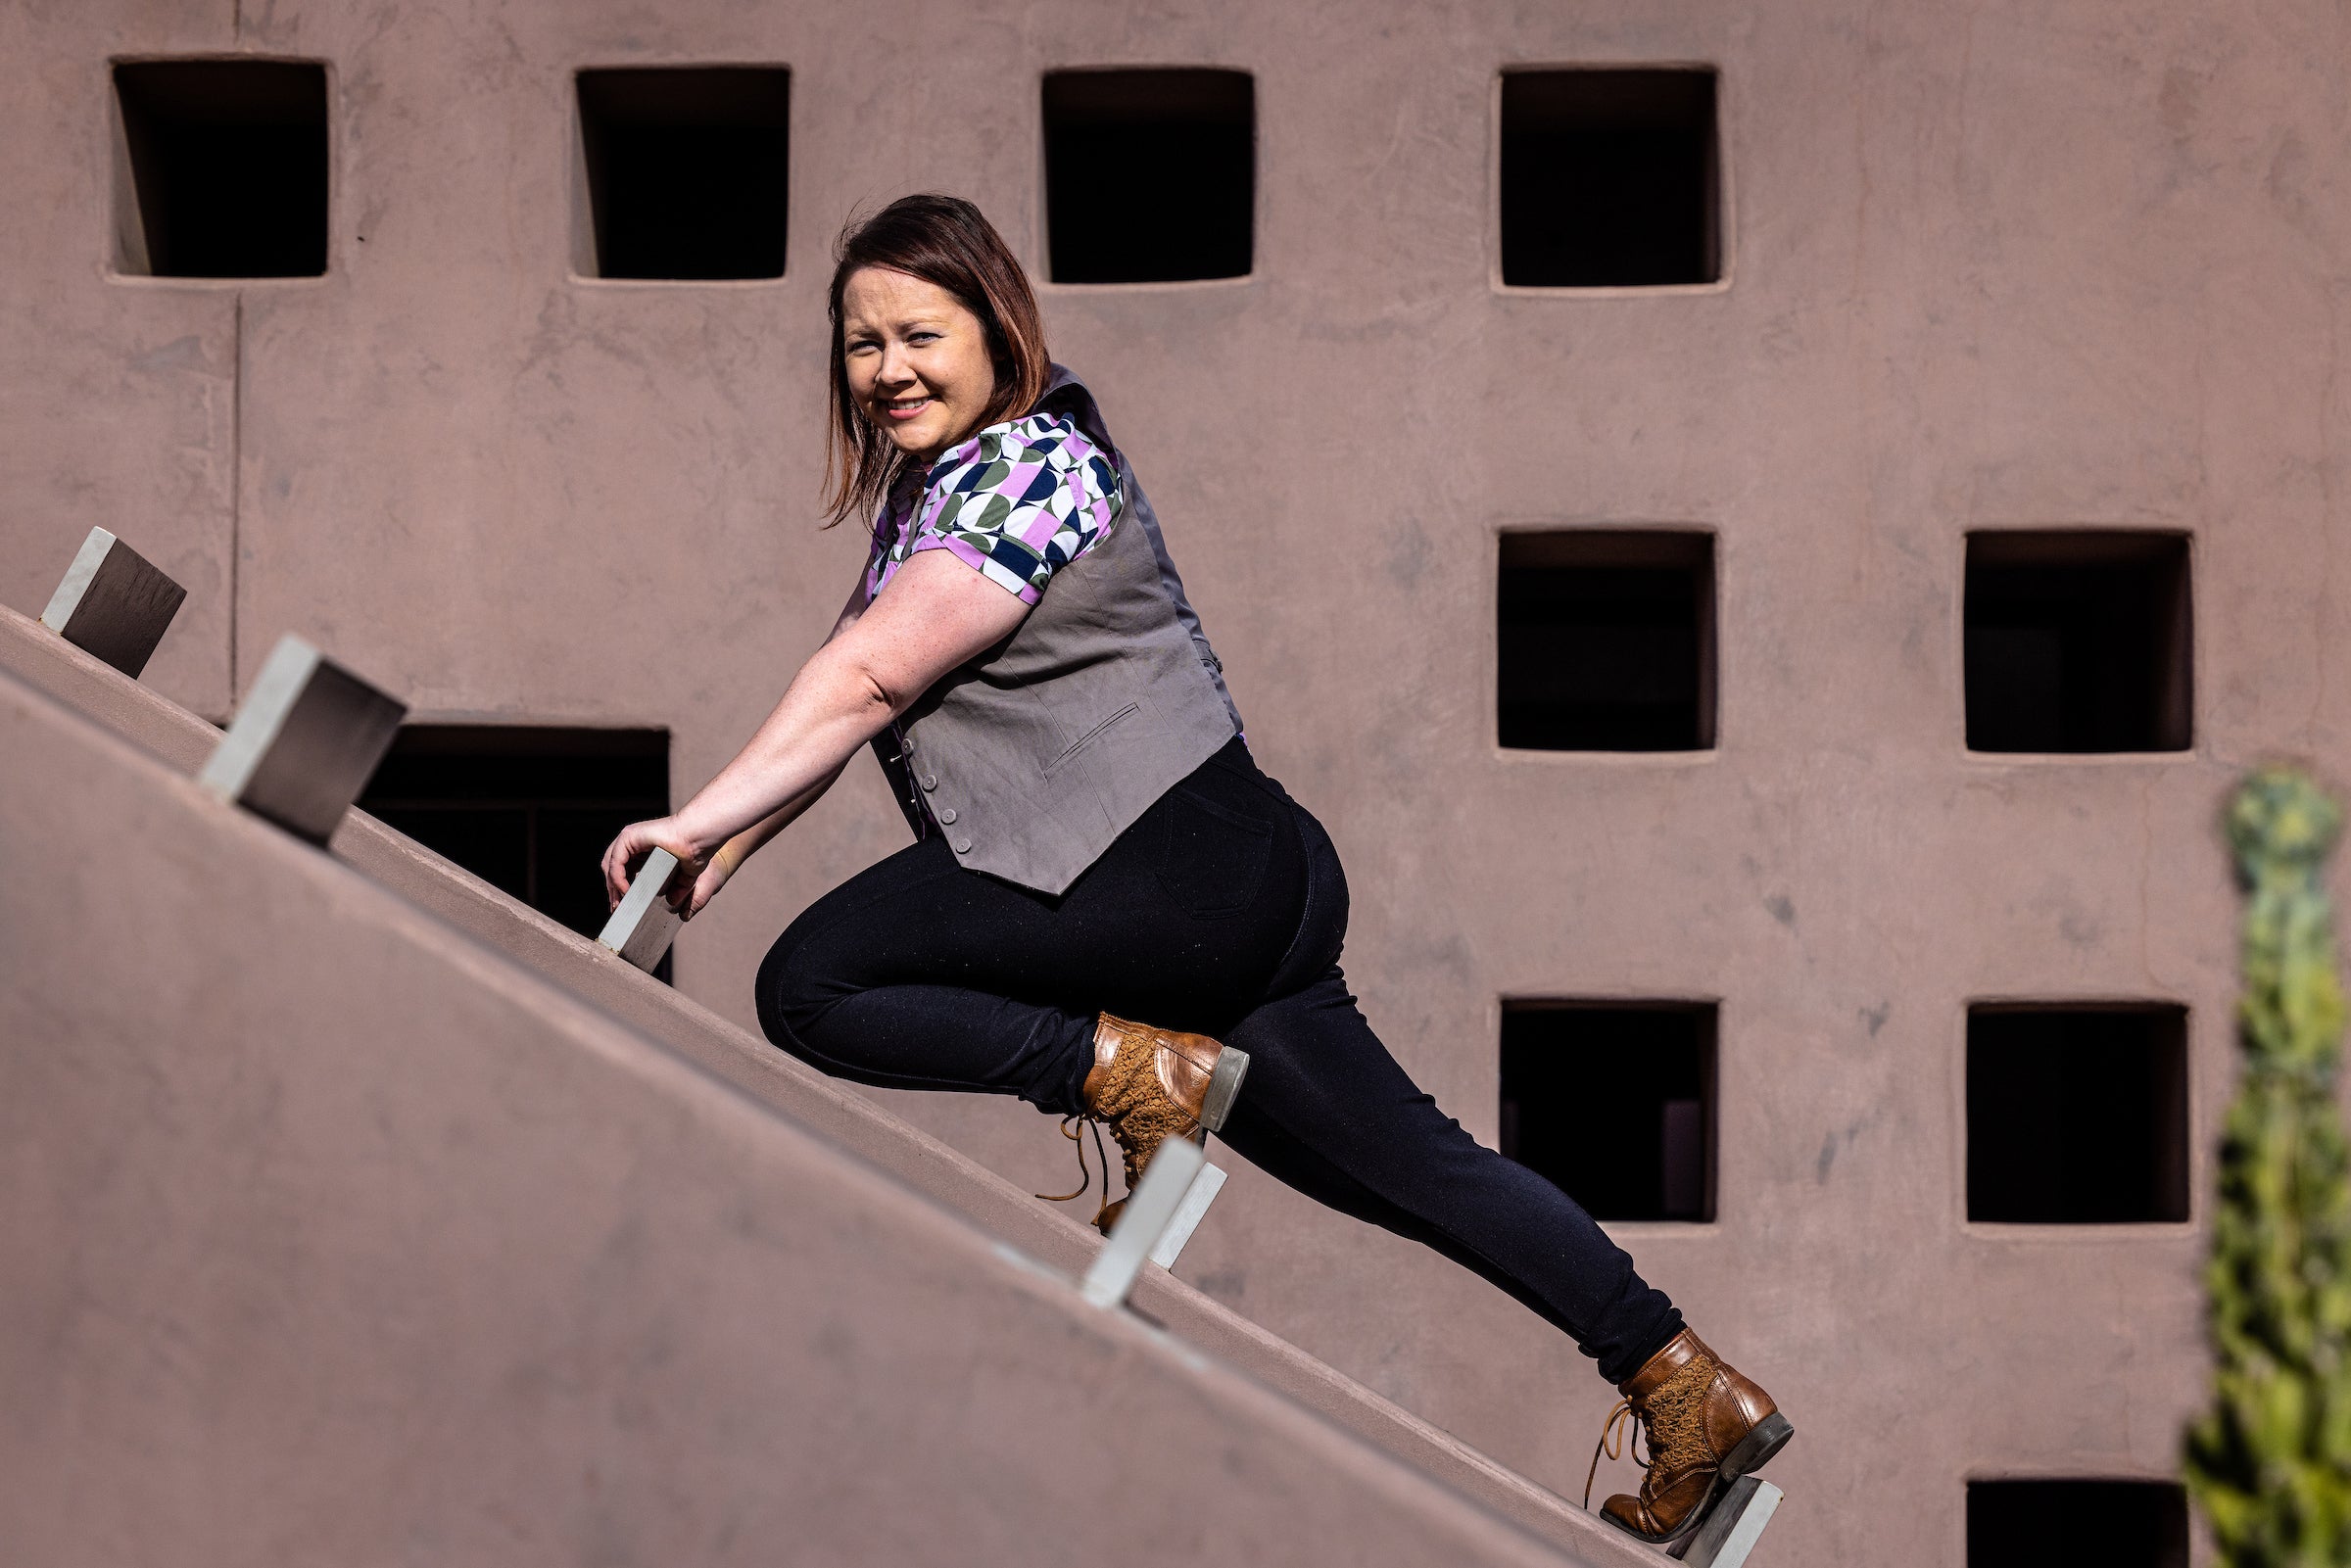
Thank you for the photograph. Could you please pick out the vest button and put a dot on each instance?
(963, 846)
(930, 781)
(948, 816)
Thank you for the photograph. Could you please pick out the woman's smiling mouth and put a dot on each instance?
(906, 411)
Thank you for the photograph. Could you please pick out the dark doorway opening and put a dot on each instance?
(227, 168)
(527, 809)
(1610, 179)
(2061, 1524)
(1150, 175)
(687, 170)
(2077, 1115)
(2078, 641)
(1613, 1104)
(1606, 641)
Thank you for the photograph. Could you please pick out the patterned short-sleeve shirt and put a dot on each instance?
(1016, 501)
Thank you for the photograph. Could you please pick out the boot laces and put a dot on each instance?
(1073, 1128)
(1622, 1435)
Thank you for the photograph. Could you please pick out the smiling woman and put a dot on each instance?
(1095, 844)
(918, 361)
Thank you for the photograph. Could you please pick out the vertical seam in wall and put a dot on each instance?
(236, 488)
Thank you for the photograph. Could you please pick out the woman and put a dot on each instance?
(1109, 910)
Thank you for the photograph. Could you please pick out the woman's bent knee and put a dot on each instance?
(790, 992)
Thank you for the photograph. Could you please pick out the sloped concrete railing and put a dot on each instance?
(333, 1236)
(834, 1111)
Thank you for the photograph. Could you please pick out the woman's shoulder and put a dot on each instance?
(1033, 446)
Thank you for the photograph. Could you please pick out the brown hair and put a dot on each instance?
(945, 241)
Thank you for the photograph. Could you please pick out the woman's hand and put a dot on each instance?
(688, 901)
(641, 839)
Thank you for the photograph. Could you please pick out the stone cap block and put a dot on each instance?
(113, 603)
(305, 742)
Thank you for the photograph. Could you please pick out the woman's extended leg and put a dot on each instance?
(1328, 1111)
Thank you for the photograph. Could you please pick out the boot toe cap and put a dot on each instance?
(1626, 1513)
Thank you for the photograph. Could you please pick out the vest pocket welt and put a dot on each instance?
(1091, 736)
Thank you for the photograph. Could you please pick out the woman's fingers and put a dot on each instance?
(701, 891)
(706, 885)
(616, 866)
(629, 846)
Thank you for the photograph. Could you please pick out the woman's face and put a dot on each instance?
(917, 360)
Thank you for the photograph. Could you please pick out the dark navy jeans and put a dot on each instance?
(1220, 911)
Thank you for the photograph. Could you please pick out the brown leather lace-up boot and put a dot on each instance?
(1150, 1085)
(1704, 1426)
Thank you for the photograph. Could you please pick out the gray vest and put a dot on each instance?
(1035, 755)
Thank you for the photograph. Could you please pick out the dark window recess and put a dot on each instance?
(222, 169)
(1606, 641)
(1150, 175)
(2078, 641)
(1613, 1104)
(528, 810)
(1609, 177)
(2063, 1524)
(2077, 1115)
(687, 172)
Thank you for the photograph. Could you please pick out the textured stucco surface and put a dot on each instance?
(1990, 264)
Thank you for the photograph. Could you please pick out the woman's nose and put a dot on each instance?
(896, 368)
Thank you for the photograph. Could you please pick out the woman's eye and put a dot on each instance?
(921, 337)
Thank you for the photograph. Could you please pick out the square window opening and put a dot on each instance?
(1614, 1103)
(2078, 641)
(1610, 179)
(2056, 1524)
(1150, 175)
(683, 173)
(528, 808)
(220, 168)
(1606, 640)
(2077, 1115)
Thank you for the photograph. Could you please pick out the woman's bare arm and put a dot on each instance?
(687, 899)
(935, 615)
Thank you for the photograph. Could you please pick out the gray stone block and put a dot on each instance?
(1142, 1221)
(1737, 1523)
(642, 928)
(113, 603)
(305, 742)
(1188, 1214)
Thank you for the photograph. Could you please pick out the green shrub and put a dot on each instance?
(2270, 1463)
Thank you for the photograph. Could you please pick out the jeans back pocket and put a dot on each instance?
(1211, 852)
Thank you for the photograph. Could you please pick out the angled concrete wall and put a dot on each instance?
(824, 1106)
(333, 1236)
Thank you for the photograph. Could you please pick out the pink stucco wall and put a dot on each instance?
(1998, 264)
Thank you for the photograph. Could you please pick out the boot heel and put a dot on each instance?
(1223, 1087)
(1770, 1436)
